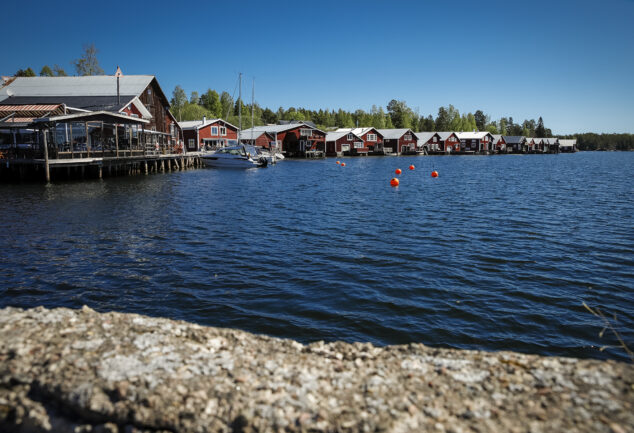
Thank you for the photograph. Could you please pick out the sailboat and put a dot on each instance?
(238, 156)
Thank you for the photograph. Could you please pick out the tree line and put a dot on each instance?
(397, 114)
(87, 64)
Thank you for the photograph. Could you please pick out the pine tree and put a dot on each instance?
(540, 130)
(59, 72)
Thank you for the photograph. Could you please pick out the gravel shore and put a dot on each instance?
(64, 370)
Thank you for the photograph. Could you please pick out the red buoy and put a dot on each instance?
(343, 164)
(434, 173)
(411, 167)
(338, 162)
(394, 182)
(398, 171)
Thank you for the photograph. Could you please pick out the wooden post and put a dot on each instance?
(116, 140)
(88, 142)
(145, 166)
(47, 172)
(72, 150)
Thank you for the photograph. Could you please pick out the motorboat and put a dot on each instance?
(238, 156)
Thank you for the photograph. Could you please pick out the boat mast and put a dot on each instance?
(252, 107)
(240, 107)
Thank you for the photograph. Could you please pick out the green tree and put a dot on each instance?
(179, 99)
(455, 121)
(378, 117)
(190, 111)
(211, 101)
(268, 116)
(400, 114)
(88, 64)
(226, 104)
(442, 120)
(46, 71)
(471, 123)
(540, 130)
(28, 72)
(59, 72)
(480, 120)
(194, 98)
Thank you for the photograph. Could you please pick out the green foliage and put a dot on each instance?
(592, 141)
(540, 131)
(46, 71)
(398, 115)
(28, 72)
(88, 64)
(189, 111)
(59, 72)
(211, 101)
(194, 98)
(401, 115)
(480, 120)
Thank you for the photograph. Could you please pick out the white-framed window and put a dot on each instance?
(463, 141)
(435, 139)
(305, 132)
(191, 143)
(214, 130)
(223, 131)
(371, 137)
(358, 144)
(350, 137)
(407, 137)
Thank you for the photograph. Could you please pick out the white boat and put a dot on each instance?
(240, 156)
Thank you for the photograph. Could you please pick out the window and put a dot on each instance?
(214, 130)
(371, 137)
(190, 143)
(435, 139)
(358, 144)
(407, 137)
(223, 131)
(350, 137)
(305, 132)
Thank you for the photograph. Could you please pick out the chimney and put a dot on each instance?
(204, 120)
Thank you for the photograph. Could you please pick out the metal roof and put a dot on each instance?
(394, 134)
(514, 139)
(92, 103)
(336, 135)
(424, 136)
(444, 135)
(198, 124)
(99, 85)
(104, 116)
(472, 135)
(567, 143)
(278, 128)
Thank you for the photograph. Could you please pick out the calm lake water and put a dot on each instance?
(497, 253)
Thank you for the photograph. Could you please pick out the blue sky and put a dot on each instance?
(571, 62)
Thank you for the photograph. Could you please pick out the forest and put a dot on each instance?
(397, 114)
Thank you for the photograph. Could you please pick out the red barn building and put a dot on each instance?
(475, 142)
(449, 142)
(208, 134)
(398, 140)
(499, 144)
(429, 142)
(344, 143)
(294, 139)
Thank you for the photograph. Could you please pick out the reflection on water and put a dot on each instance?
(496, 253)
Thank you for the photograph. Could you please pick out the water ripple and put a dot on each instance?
(498, 253)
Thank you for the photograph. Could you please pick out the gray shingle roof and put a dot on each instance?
(514, 139)
(394, 134)
(100, 85)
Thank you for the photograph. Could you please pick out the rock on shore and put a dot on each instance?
(65, 370)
